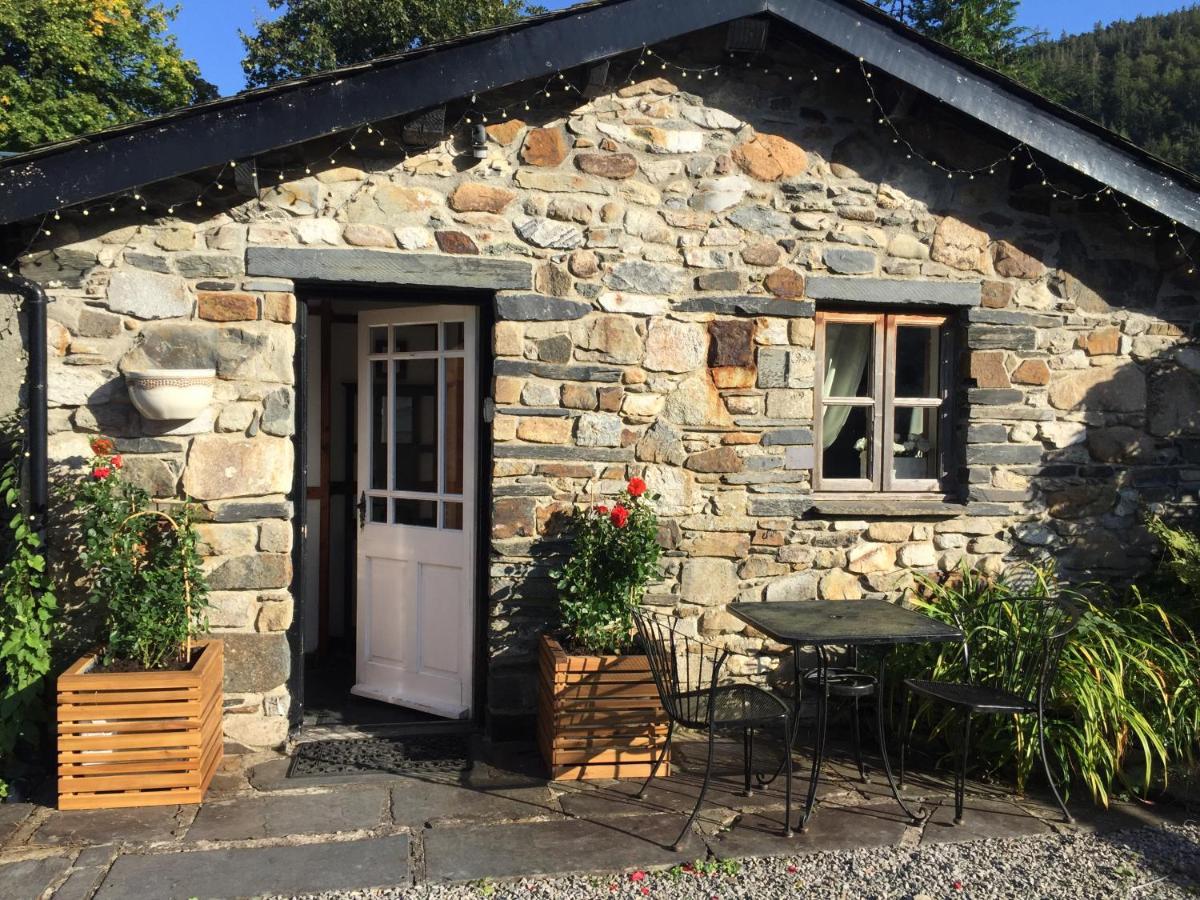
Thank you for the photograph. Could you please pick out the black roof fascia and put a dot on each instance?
(33, 184)
(1009, 107)
(192, 139)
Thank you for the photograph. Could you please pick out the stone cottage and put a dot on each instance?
(854, 306)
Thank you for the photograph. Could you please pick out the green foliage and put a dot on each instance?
(142, 566)
(613, 557)
(27, 606)
(68, 67)
(1139, 78)
(315, 35)
(1179, 571)
(1125, 702)
(985, 30)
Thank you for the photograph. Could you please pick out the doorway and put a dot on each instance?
(390, 617)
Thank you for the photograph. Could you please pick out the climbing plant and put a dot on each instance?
(27, 606)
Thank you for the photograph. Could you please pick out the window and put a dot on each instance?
(881, 402)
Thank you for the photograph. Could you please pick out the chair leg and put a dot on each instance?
(960, 783)
(678, 845)
(1041, 725)
(641, 795)
(747, 759)
(787, 785)
(905, 731)
(857, 736)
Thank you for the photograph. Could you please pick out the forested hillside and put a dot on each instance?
(1139, 78)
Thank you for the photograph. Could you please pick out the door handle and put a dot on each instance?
(362, 510)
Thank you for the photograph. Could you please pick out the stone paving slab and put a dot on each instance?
(105, 826)
(417, 803)
(676, 794)
(281, 815)
(79, 884)
(1119, 816)
(11, 817)
(982, 818)
(833, 826)
(30, 878)
(252, 872)
(555, 848)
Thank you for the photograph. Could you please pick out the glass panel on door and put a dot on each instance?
(379, 418)
(453, 460)
(415, 427)
(417, 400)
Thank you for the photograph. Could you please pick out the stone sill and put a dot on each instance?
(891, 506)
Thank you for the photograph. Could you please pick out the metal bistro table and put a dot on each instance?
(823, 624)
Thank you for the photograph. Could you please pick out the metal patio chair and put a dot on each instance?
(1017, 687)
(687, 673)
(848, 685)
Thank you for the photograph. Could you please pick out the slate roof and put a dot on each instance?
(245, 125)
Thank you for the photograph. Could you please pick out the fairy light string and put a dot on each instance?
(559, 85)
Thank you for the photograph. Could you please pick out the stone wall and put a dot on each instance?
(13, 357)
(680, 244)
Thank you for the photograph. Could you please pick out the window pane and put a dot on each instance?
(847, 445)
(378, 340)
(848, 359)
(916, 362)
(915, 449)
(379, 510)
(454, 426)
(416, 425)
(455, 333)
(415, 338)
(415, 512)
(378, 448)
(452, 515)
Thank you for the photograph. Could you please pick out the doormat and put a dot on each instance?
(440, 753)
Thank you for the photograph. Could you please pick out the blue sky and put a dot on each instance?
(208, 29)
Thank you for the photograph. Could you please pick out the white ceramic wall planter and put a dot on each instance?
(171, 394)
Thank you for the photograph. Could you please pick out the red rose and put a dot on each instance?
(117, 462)
(101, 472)
(102, 446)
(619, 516)
(602, 510)
(637, 487)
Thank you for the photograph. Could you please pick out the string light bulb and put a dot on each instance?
(647, 55)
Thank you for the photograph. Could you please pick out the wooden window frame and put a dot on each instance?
(883, 404)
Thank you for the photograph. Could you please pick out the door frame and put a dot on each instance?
(380, 296)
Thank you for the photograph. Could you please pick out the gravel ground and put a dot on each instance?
(1144, 863)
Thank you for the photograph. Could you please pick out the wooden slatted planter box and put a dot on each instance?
(598, 716)
(139, 738)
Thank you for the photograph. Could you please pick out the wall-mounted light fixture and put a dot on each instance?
(479, 139)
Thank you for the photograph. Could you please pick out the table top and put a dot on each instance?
(848, 622)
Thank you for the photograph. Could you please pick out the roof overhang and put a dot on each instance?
(246, 125)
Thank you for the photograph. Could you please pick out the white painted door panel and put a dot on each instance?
(417, 472)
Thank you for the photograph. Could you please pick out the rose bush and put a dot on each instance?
(142, 567)
(614, 556)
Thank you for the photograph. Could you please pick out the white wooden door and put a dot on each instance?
(417, 471)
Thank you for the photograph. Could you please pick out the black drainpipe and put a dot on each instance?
(35, 379)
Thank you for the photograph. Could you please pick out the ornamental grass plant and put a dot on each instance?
(614, 556)
(141, 566)
(1125, 703)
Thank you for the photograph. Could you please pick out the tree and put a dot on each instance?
(985, 30)
(315, 35)
(1140, 78)
(68, 67)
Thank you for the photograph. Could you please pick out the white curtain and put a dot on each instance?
(847, 350)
